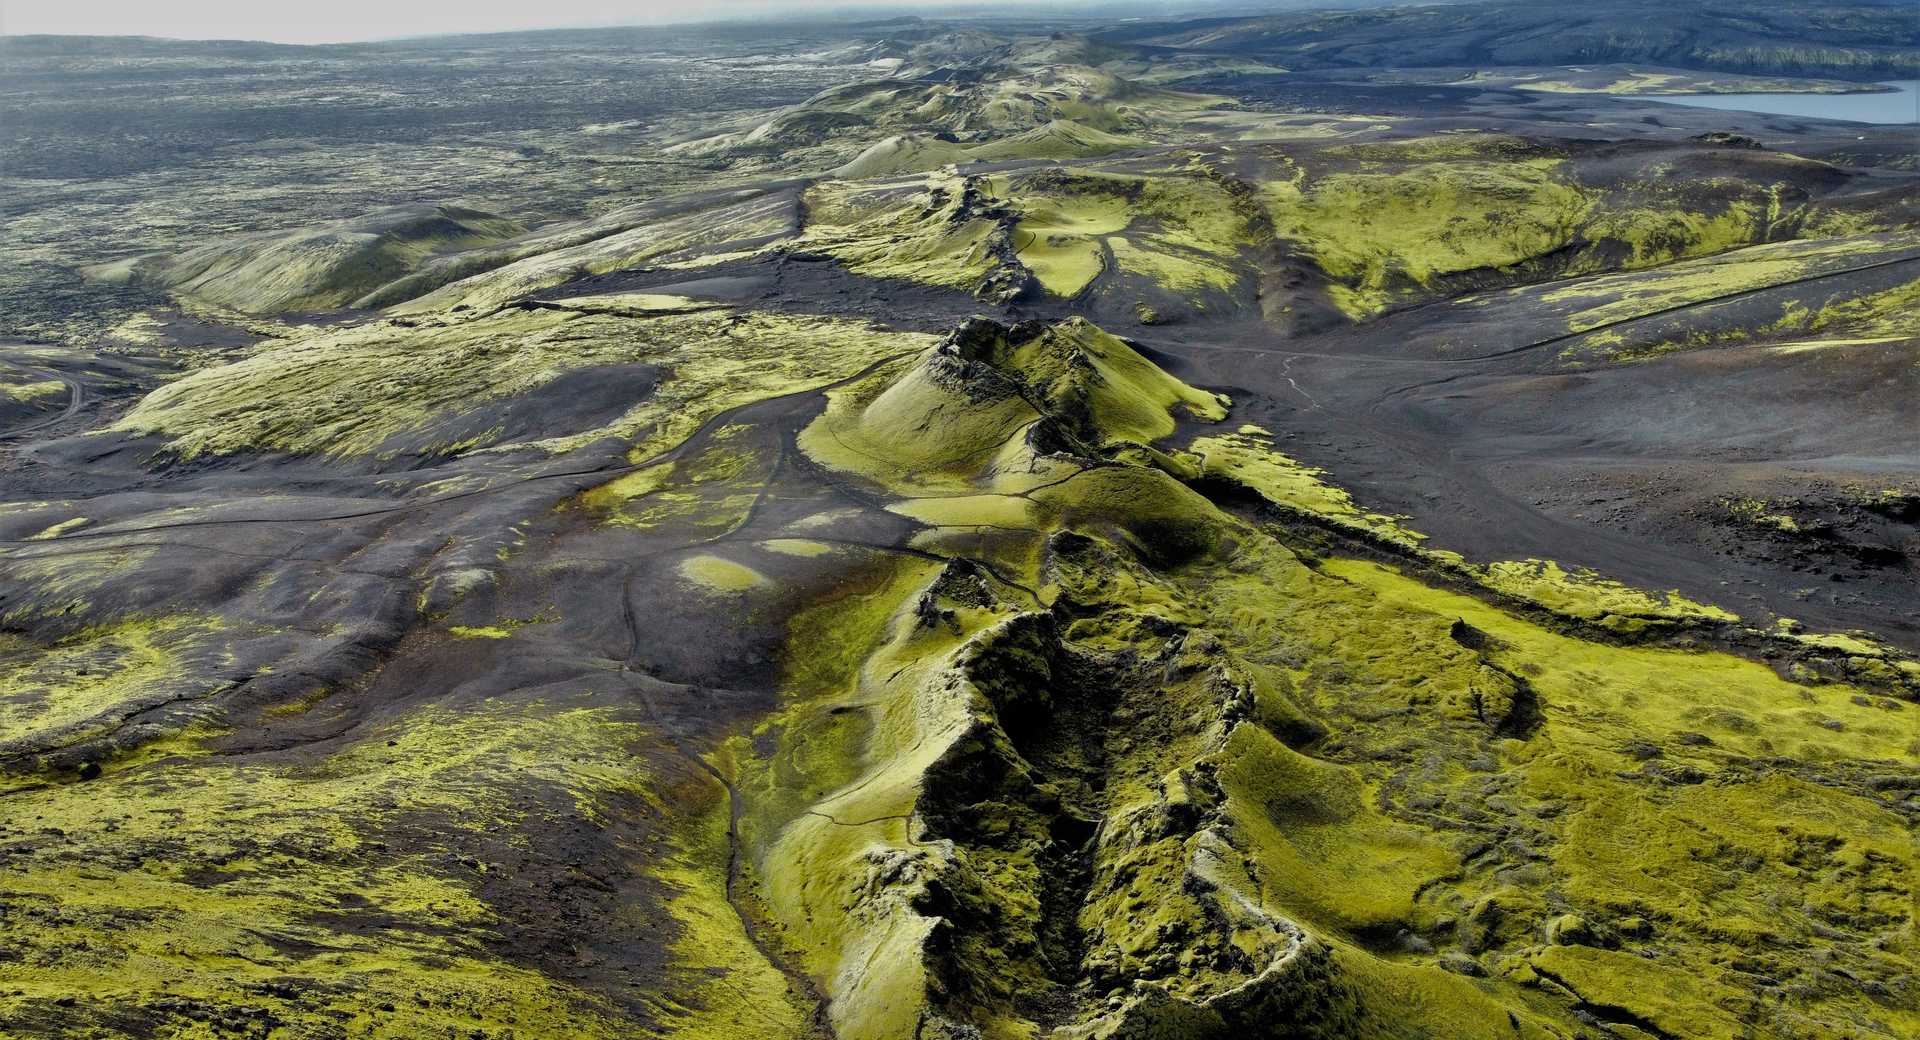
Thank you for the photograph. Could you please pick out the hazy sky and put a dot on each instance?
(321, 21)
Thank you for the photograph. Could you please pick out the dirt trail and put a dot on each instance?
(76, 399)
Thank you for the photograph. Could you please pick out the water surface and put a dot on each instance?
(1900, 105)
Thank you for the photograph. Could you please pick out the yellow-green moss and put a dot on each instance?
(372, 388)
(1248, 457)
(624, 238)
(1379, 232)
(1183, 233)
(804, 547)
(862, 937)
(64, 526)
(33, 391)
(885, 232)
(940, 427)
(205, 879)
(1752, 710)
(722, 986)
(1172, 266)
(322, 268)
(1584, 594)
(1756, 512)
(1610, 299)
(91, 675)
(1326, 857)
(720, 574)
(1348, 838)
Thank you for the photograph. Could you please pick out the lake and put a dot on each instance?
(1901, 105)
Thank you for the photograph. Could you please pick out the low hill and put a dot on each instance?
(319, 269)
(1013, 101)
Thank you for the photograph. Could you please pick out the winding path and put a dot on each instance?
(76, 399)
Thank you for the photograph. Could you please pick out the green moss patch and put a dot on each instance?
(390, 388)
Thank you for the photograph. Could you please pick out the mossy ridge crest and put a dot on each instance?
(1004, 410)
(1009, 802)
(984, 802)
(845, 876)
(1174, 769)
